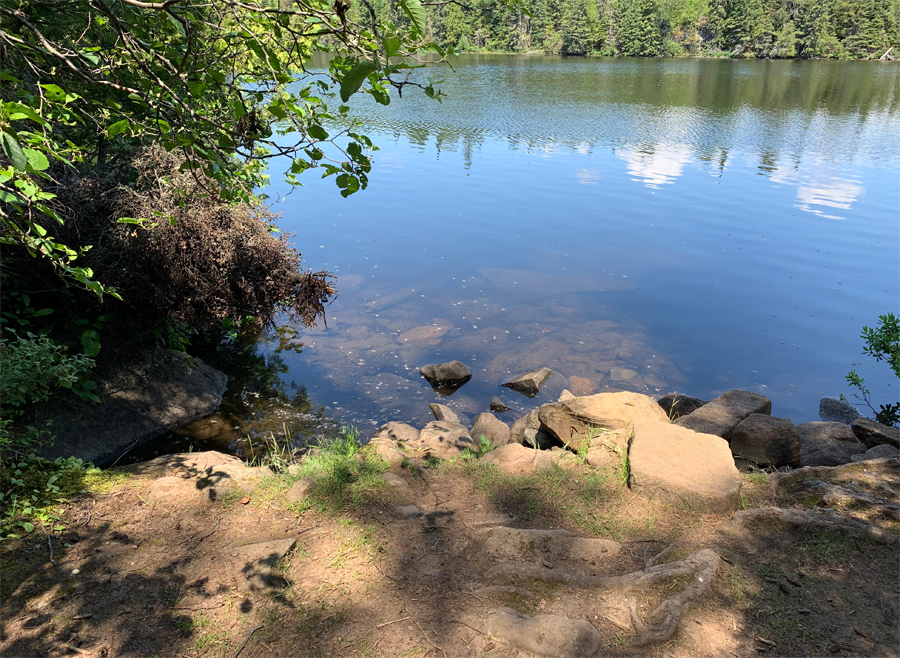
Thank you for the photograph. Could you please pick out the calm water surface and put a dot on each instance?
(634, 224)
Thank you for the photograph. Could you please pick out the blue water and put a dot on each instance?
(704, 225)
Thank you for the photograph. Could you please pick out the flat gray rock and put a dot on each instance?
(833, 410)
(827, 444)
(872, 434)
(255, 565)
(142, 397)
(722, 415)
(766, 441)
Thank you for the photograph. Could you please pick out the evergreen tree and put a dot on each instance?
(639, 33)
(576, 35)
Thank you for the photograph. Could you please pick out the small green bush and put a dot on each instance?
(882, 343)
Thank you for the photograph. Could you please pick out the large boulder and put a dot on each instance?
(766, 440)
(446, 377)
(882, 451)
(577, 420)
(490, 427)
(516, 459)
(827, 444)
(833, 410)
(676, 405)
(143, 395)
(679, 466)
(443, 440)
(529, 383)
(388, 439)
(722, 415)
(872, 434)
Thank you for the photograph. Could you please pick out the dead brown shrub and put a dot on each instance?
(213, 260)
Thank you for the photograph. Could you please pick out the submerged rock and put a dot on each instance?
(498, 405)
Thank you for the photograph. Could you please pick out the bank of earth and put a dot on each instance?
(637, 537)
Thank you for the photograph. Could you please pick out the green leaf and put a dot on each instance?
(90, 341)
(12, 151)
(317, 132)
(416, 14)
(354, 78)
(29, 527)
(117, 128)
(36, 159)
(54, 92)
(391, 46)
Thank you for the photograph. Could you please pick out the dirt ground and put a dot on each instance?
(135, 574)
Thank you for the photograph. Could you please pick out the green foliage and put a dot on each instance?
(739, 28)
(883, 344)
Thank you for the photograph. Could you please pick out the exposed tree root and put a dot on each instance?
(825, 519)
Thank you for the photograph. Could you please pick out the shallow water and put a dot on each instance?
(634, 224)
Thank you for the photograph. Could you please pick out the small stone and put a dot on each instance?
(516, 459)
(529, 383)
(299, 490)
(443, 412)
(408, 512)
(621, 374)
(498, 405)
(254, 565)
(394, 480)
(833, 410)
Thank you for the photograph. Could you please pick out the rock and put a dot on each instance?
(184, 464)
(676, 405)
(565, 395)
(446, 377)
(529, 383)
(516, 459)
(394, 480)
(388, 450)
(443, 440)
(827, 444)
(408, 512)
(255, 564)
(766, 441)
(143, 395)
(498, 405)
(621, 374)
(723, 414)
(528, 431)
(397, 432)
(299, 490)
(551, 545)
(878, 452)
(492, 428)
(682, 467)
(546, 635)
(582, 386)
(228, 477)
(174, 489)
(425, 336)
(443, 412)
(211, 474)
(872, 434)
(833, 410)
(608, 449)
(575, 421)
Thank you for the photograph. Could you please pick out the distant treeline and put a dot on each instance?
(853, 29)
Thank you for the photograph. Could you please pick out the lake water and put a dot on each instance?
(652, 225)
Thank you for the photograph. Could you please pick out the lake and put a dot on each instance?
(652, 225)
